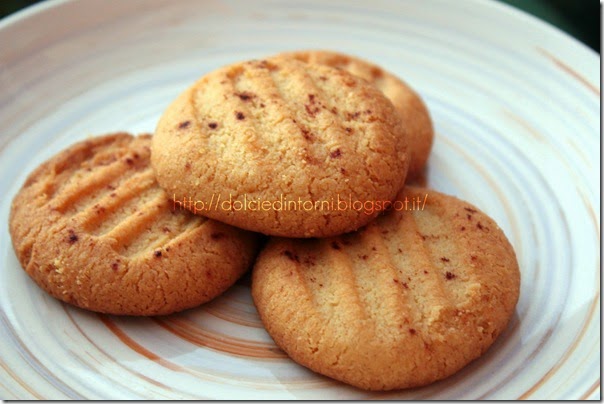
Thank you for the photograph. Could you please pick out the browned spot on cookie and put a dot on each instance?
(157, 254)
(245, 95)
(291, 256)
(187, 165)
(310, 260)
(463, 228)
(449, 275)
(262, 105)
(350, 82)
(364, 256)
(425, 272)
(479, 225)
(470, 210)
(212, 125)
(239, 115)
(399, 250)
(334, 110)
(343, 171)
(412, 331)
(114, 266)
(166, 229)
(322, 78)
(376, 72)
(352, 115)
(129, 161)
(444, 259)
(72, 237)
(311, 109)
(306, 134)
(335, 154)
(309, 158)
(264, 64)
(469, 217)
(348, 130)
(373, 249)
(473, 257)
(184, 124)
(217, 236)
(335, 245)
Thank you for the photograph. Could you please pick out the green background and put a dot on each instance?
(579, 18)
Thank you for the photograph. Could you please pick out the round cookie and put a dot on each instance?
(92, 227)
(409, 104)
(274, 145)
(409, 299)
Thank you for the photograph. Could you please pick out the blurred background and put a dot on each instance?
(579, 18)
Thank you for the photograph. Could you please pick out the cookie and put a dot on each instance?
(408, 103)
(92, 227)
(274, 146)
(409, 299)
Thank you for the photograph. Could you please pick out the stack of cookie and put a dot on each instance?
(363, 279)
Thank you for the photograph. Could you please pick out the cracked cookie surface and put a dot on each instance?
(409, 299)
(281, 131)
(92, 227)
(415, 115)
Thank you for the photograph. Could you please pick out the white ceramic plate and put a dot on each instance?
(515, 105)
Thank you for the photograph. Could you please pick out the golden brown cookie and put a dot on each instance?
(93, 228)
(409, 104)
(409, 299)
(273, 145)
